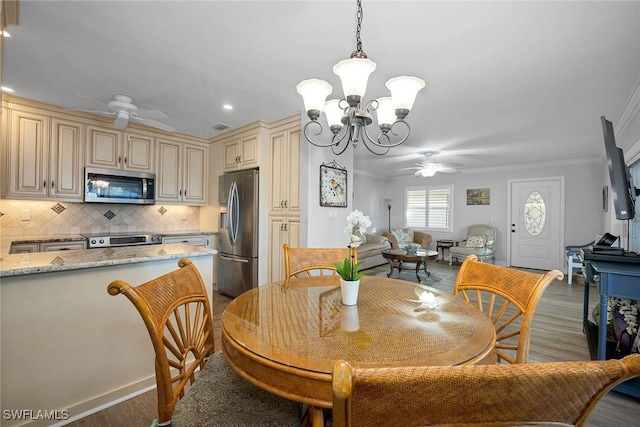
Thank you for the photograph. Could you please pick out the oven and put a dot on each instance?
(106, 240)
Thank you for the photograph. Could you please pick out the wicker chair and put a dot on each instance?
(176, 311)
(302, 262)
(558, 393)
(509, 297)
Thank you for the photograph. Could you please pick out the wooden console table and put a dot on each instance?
(616, 279)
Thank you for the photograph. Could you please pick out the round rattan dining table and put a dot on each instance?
(285, 337)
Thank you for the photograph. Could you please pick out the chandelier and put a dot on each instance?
(348, 119)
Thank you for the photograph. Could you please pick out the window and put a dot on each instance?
(429, 207)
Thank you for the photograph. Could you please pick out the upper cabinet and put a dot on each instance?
(45, 155)
(242, 151)
(285, 169)
(110, 148)
(44, 151)
(181, 172)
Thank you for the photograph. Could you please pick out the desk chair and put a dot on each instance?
(554, 394)
(509, 298)
(302, 262)
(175, 309)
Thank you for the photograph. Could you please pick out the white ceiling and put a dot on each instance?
(508, 83)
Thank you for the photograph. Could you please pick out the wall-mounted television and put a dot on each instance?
(623, 189)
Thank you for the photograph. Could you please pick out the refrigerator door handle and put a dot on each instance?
(236, 212)
(233, 213)
(246, 261)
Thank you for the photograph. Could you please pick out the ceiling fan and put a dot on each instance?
(428, 168)
(121, 107)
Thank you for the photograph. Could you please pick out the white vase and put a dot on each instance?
(349, 291)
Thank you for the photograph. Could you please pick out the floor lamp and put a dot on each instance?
(388, 202)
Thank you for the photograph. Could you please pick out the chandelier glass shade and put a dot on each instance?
(348, 118)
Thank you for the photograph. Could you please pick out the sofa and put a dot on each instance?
(401, 237)
(370, 250)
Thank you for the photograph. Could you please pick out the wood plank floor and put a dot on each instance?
(556, 336)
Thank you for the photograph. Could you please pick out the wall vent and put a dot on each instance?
(221, 126)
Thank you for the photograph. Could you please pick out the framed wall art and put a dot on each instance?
(478, 196)
(333, 185)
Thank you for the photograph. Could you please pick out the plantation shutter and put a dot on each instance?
(416, 210)
(439, 208)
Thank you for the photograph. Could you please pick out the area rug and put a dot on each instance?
(410, 275)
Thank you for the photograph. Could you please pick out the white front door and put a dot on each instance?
(536, 222)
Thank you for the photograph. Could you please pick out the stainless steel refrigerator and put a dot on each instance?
(238, 250)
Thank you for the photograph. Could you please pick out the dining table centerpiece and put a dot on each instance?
(349, 269)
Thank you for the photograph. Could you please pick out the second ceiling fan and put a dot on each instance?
(428, 168)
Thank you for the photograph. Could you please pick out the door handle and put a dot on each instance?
(244, 261)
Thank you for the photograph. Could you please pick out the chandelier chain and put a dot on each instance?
(358, 28)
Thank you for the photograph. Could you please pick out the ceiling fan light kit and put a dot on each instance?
(347, 118)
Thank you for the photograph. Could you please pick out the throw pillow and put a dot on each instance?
(404, 236)
(476, 241)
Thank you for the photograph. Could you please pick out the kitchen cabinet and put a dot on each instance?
(4, 149)
(31, 247)
(284, 210)
(113, 149)
(285, 169)
(242, 153)
(281, 230)
(45, 157)
(182, 172)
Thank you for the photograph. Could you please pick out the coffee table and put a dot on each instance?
(400, 260)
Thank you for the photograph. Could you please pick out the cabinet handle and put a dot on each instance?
(119, 159)
(207, 242)
(180, 192)
(53, 184)
(285, 227)
(125, 160)
(286, 203)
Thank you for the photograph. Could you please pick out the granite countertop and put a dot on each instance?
(43, 262)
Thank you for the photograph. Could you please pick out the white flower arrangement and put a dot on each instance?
(358, 223)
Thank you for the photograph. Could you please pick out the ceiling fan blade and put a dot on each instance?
(150, 114)
(95, 100)
(445, 169)
(103, 113)
(411, 168)
(157, 124)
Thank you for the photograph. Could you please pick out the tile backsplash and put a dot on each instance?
(34, 218)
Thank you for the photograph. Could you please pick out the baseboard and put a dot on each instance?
(100, 403)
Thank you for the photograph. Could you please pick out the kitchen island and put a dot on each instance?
(66, 343)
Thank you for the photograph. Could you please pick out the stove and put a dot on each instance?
(106, 240)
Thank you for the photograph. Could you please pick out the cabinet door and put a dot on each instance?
(195, 175)
(103, 147)
(277, 238)
(231, 156)
(278, 169)
(28, 153)
(168, 171)
(4, 150)
(139, 151)
(65, 160)
(293, 174)
(249, 155)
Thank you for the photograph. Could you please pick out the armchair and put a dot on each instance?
(401, 237)
(480, 241)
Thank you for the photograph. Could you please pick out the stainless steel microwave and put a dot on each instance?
(116, 186)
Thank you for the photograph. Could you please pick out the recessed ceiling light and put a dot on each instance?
(7, 89)
(227, 107)
(5, 34)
